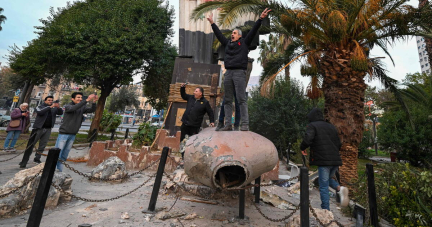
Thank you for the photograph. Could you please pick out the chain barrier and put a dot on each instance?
(24, 184)
(101, 200)
(273, 219)
(127, 176)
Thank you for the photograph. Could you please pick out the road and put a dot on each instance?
(85, 126)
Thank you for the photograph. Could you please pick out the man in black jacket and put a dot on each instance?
(236, 61)
(72, 120)
(197, 107)
(323, 140)
(44, 122)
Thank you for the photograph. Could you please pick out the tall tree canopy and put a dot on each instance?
(125, 96)
(334, 39)
(105, 43)
(2, 18)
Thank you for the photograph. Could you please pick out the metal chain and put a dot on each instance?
(321, 223)
(127, 176)
(13, 157)
(24, 184)
(273, 219)
(101, 200)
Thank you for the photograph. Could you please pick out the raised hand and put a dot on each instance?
(90, 97)
(265, 13)
(210, 18)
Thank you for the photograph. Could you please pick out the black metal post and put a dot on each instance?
(127, 133)
(288, 153)
(359, 215)
(242, 204)
(157, 183)
(93, 137)
(375, 135)
(43, 188)
(257, 189)
(113, 134)
(304, 197)
(372, 195)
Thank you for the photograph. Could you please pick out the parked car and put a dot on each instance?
(4, 120)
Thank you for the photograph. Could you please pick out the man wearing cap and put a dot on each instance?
(45, 121)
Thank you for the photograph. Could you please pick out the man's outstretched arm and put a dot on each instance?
(222, 39)
(251, 34)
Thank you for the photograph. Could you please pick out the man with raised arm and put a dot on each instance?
(72, 120)
(236, 61)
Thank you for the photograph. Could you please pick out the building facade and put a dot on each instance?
(423, 55)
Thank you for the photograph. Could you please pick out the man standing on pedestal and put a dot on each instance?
(45, 121)
(236, 61)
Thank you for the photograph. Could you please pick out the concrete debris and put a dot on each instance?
(324, 215)
(166, 215)
(198, 200)
(276, 201)
(111, 168)
(124, 215)
(190, 216)
(17, 202)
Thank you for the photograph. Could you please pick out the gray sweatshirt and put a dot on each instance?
(73, 116)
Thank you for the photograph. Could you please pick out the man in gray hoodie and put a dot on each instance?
(73, 116)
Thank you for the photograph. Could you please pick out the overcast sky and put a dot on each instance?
(23, 15)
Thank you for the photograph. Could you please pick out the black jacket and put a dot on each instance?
(323, 140)
(73, 117)
(195, 110)
(42, 114)
(236, 53)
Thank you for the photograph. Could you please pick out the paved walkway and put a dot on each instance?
(78, 212)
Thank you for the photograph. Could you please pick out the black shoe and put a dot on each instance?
(227, 128)
(244, 128)
(236, 128)
(37, 161)
(219, 126)
(22, 166)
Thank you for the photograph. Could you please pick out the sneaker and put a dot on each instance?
(220, 126)
(343, 194)
(22, 166)
(37, 161)
(236, 128)
(226, 128)
(5, 149)
(244, 128)
(12, 149)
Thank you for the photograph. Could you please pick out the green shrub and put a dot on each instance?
(145, 135)
(283, 118)
(367, 141)
(109, 121)
(404, 194)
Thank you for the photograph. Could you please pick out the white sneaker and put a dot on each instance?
(343, 194)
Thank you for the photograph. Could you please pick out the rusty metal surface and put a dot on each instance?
(209, 151)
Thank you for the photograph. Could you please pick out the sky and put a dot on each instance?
(23, 15)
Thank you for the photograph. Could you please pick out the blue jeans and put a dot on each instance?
(326, 174)
(64, 142)
(237, 112)
(12, 135)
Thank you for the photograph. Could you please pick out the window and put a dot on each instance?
(422, 66)
(421, 59)
(426, 65)
(425, 58)
(39, 94)
(421, 54)
(419, 47)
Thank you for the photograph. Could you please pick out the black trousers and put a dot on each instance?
(42, 135)
(187, 130)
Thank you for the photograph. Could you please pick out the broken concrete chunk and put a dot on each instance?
(190, 216)
(21, 200)
(111, 168)
(324, 215)
(276, 201)
(124, 215)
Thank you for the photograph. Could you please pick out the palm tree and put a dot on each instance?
(428, 41)
(272, 50)
(334, 39)
(2, 18)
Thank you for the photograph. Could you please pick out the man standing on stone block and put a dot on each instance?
(323, 140)
(236, 61)
(45, 121)
(72, 120)
(197, 107)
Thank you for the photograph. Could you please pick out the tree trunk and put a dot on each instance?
(428, 41)
(99, 111)
(344, 91)
(28, 94)
(23, 93)
(287, 73)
